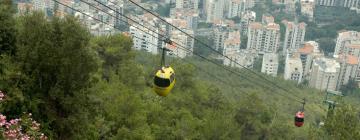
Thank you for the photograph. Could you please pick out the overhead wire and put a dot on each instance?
(212, 49)
(232, 71)
(180, 45)
(213, 76)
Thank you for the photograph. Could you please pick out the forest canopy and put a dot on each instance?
(78, 86)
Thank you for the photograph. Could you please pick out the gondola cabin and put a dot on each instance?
(164, 81)
(299, 119)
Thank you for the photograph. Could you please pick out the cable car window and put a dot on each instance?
(172, 77)
(299, 119)
(160, 82)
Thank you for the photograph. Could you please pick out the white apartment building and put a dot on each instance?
(324, 74)
(352, 48)
(293, 68)
(349, 69)
(341, 3)
(246, 18)
(190, 16)
(238, 7)
(307, 8)
(220, 35)
(232, 43)
(231, 48)
(184, 44)
(235, 8)
(294, 36)
(263, 38)
(344, 39)
(39, 5)
(215, 10)
(147, 40)
(242, 58)
(307, 53)
(270, 64)
(326, 2)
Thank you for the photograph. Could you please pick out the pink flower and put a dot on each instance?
(2, 95)
(25, 137)
(2, 120)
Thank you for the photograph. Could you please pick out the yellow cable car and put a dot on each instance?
(164, 79)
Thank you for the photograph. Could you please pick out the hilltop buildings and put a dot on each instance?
(348, 42)
(294, 35)
(324, 74)
(293, 68)
(270, 64)
(247, 18)
(263, 38)
(307, 8)
(340, 3)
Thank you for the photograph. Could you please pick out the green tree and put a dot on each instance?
(7, 28)
(327, 45)
(56, 65)
(350, 87)
(344, 123)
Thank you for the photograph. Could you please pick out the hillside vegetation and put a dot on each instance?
(83, 87)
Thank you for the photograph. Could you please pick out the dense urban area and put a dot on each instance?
(84, 69)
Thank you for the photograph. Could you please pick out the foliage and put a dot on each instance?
(350, 87)
(7, 28)
(258, 63)
(327, 45)
(344, 123)
(236, 19)
(199, 48)
(24, 128)
(204, 25)
(163, 10)
(84, 87)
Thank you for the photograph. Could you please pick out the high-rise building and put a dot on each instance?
(243, 58)
(347, 42)
(215, 10)
(232, 43)
(307, 8)
(191, 16)
(307, 53)
(349, 69)
(294, 36)
(246, 18)
(144, 39)
(263, 38)
(220, 35)
(270, 64)
(324, 74)
(341, 3)
(293, 68)
(235, 8)
(184, 44)
(231, 48)
(326, 2)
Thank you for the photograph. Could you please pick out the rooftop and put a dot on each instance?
(327, 65)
